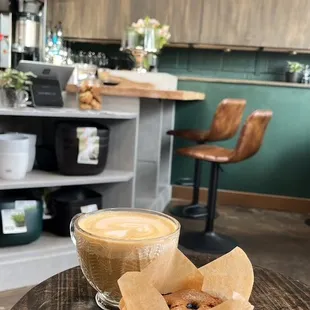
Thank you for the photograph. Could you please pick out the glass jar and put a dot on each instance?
(85, 72)
(90, 97)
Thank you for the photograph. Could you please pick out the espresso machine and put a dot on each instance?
(5, 34)
(28, 23)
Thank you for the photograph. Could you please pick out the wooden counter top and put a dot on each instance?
(179, 95)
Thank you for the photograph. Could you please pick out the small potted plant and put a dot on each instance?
(294, 73)
(15, 85)
(19, 219)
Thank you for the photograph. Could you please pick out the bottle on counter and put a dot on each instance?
(70, 59)
(49, 37)
(59, 30)
(54, 35)
(59, 34)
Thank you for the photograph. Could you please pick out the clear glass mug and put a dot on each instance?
(104, 260)
(15, 98)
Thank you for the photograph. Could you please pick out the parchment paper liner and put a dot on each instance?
(229, 277)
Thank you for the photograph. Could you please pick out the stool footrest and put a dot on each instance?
(189, 211)
(209, 242)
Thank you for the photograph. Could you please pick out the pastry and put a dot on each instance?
(98, 98)
(86, 97)
(191, 299)
(85, 106)
(84, 87)
(95, 104)
(90, 97)
(96, 92)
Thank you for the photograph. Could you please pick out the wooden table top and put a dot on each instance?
(70, 290)
(178, 95)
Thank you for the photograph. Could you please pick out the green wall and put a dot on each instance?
(282, 166)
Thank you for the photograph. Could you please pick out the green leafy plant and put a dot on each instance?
(19, 219)
(294, 66)
(11, 78)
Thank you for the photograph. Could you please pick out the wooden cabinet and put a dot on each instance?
(67, 12)
(186, 18)
(262, 23)
(230, 22)
(183, 16)
(285, 24)
(107, 19)
(91, 19)
(250, 23)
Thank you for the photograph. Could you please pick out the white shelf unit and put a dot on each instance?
(51, 254)
(39, 178)
(137, 173)
(67, 113)
(33, 263)
(153, 189)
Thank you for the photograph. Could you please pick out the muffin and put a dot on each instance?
(191, 299)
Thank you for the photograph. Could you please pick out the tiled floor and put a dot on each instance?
(9, 298)
(275, 240)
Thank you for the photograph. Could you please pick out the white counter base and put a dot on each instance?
(33, 263)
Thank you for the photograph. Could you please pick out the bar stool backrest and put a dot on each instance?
(227, 119)
(252, 135)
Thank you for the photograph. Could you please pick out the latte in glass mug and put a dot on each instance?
(111, 242)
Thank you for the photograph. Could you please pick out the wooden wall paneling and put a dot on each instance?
(91, 19)
(159, 9)
(183, 16)
(100, 19)
(231, 22)
(67, 12)
(50, 12)
(186, 19)
(285, 24)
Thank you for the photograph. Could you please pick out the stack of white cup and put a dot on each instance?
(17, 155)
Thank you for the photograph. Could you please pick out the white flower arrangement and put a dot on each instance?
(162, 31)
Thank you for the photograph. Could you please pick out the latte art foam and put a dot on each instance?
(125, 225)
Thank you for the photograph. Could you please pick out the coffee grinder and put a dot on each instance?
(28, 29)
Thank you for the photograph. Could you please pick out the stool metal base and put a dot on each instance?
(209, 242)
(193, 211)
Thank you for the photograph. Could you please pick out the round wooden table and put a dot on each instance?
(70, 290)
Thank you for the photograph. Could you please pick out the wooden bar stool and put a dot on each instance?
(249, 143)
(224, 126)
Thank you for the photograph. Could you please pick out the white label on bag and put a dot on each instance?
(13, 221)
(25, 204)
(89, 208)
(88, 145)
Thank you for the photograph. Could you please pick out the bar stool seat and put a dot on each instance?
(249, 143)
(196, 135)
(225, 124)
(208, 153)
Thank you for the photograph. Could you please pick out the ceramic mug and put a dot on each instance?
(32, 147)
(21, 99)
(16, 98)
(13, 166)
